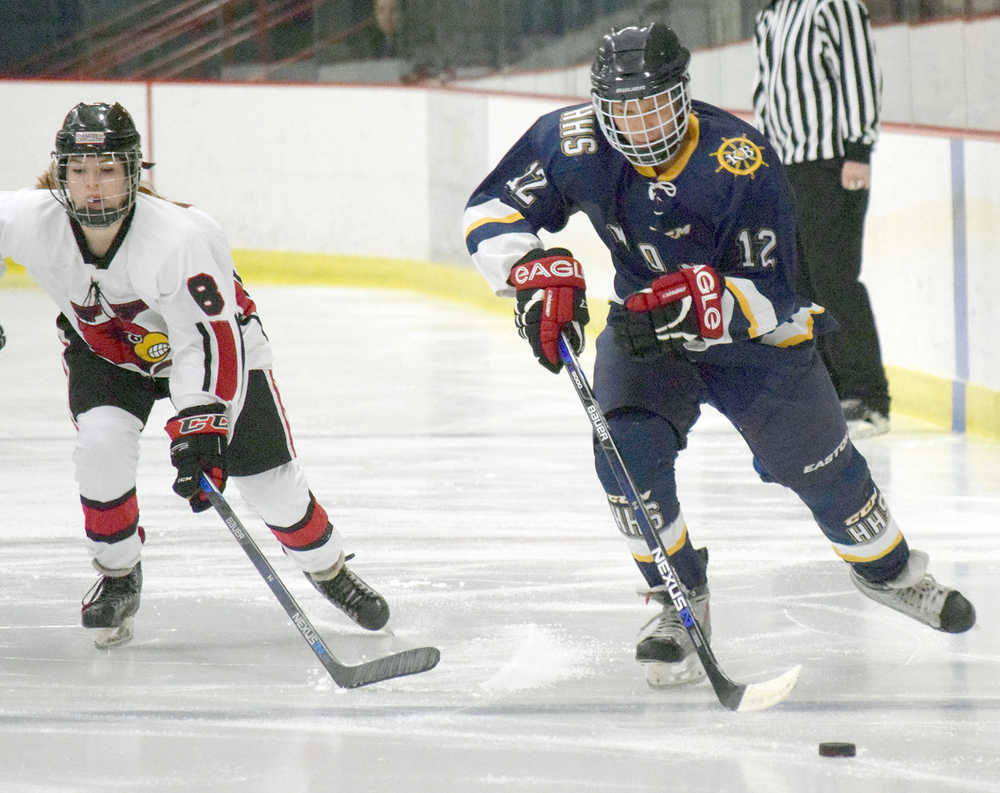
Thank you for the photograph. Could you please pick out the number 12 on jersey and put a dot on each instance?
(756, 248)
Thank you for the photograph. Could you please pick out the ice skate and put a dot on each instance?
(109, 607)
(863, 421)
(342, 587)
(664, 647)
(915, 593)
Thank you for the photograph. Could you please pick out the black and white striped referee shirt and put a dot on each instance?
(818, 90)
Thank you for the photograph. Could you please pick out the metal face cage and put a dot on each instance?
(646, 130)
(96, 189)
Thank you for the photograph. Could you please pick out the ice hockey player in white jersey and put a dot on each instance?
(151, 307)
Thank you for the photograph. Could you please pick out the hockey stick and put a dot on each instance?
(408, 662)
(735, 696)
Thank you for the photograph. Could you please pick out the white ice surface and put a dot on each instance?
(460, 473)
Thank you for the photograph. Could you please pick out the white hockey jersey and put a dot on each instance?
(167, 302)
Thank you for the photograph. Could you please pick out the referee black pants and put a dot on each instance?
(831, 228)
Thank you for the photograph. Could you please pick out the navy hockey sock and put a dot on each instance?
(649, 445)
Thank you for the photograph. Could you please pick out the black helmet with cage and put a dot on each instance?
(107, 133)
(642, 63)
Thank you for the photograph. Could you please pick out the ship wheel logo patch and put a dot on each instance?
(740, 156)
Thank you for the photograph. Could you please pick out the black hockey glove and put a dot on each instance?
(3, 338)
(551, 297)
(198, 445)
(674, 309)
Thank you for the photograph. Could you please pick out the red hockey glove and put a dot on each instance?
(675, 308)
(551, 296)
(198, 444)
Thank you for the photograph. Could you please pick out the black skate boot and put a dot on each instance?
(664, 647)
(110, 606)
(342, 587)
(864, 421)
(915, 593)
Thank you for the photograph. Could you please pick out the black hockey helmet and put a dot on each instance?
(99, 130)
(97, 127)
(638, 61)
(635, 63)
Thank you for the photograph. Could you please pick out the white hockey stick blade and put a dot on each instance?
(761, 696)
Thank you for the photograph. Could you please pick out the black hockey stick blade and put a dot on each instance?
(735, 696)
(408, 662)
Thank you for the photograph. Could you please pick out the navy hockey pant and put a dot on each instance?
(783, 404)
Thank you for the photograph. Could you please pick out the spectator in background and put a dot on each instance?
(388, 19)
(368, 30)
(817, 97)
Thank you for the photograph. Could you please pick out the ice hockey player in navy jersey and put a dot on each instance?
(696, 213)
(151, 307)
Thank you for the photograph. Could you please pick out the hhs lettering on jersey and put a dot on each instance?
(576, 130)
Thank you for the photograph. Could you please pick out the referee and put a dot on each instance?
(817, 98)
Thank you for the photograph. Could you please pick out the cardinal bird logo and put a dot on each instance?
(111, 332)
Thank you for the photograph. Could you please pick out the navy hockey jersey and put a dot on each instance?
(724, 201)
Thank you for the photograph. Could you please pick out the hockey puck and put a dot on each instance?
(835, 749)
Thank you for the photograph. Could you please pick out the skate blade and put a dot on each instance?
(683, 673)
(858, 430)
(106, 638)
